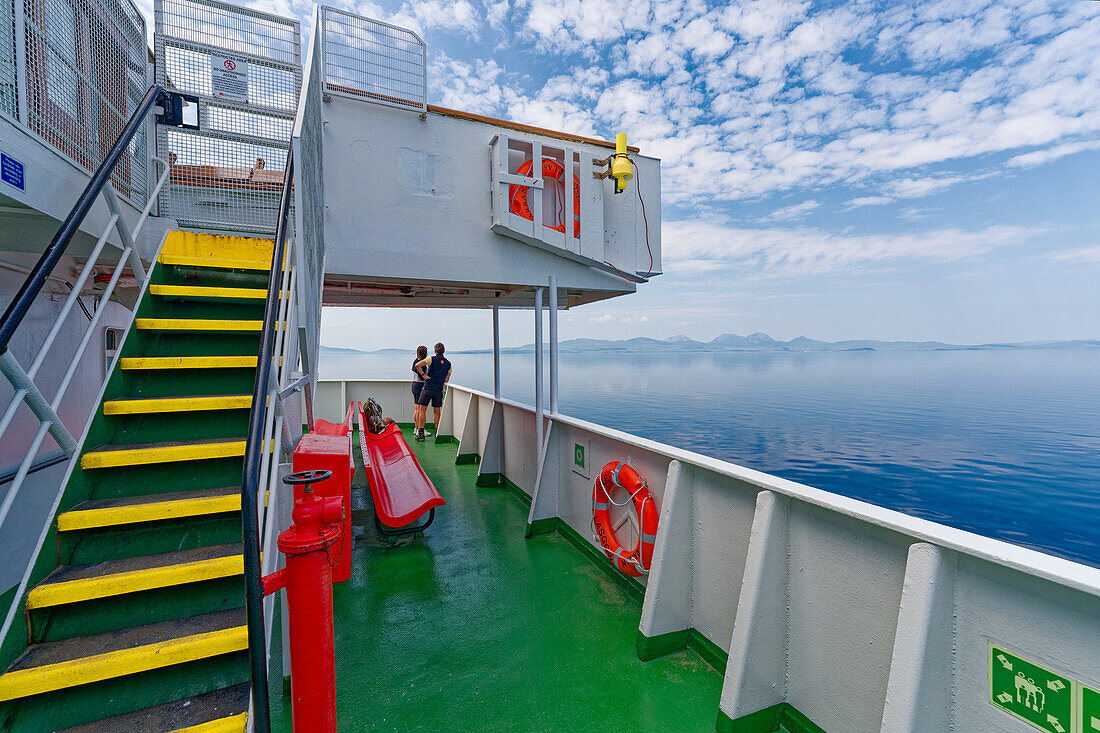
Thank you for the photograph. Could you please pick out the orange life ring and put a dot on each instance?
(517, 195)
(635, 562)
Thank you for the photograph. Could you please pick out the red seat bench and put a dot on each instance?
(324, 427)
(400, 488)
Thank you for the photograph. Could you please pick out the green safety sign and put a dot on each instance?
(1030, 692)
(1090, 710)
(578, 454)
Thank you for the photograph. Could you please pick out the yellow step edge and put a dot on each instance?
(196, 324)
(176, 404)
(98, 667)
(218, 262)
(207, 245)
(195, 291)
(232, 724)
(162, 454)
(86, 589)
(187, 362)
(151, 512)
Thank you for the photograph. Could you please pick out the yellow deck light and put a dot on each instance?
(622, 169)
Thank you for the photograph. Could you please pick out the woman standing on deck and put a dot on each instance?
(419, 374)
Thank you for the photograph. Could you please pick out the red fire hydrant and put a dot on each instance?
(307, 577)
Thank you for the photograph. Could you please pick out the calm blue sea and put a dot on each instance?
(1002, 443)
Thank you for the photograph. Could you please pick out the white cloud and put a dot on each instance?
(868, 201)
(605, 318)
(698, 244)
(1039, 157)
(760, 98)
(1082, 254)
(794, 211)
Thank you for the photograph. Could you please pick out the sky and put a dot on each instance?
(890, 170)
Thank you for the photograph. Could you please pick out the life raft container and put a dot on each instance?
(517, 195)
(634, 562)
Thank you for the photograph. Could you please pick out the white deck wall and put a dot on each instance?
(862, 618)
(428, 215)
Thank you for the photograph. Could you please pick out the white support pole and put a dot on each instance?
(539, 295)
(553, 292)
(496, 352)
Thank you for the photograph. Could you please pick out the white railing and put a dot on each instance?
(372, 60)
(30, 393)
(293, 357)
(862, 618)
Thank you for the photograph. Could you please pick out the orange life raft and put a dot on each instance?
(517, 195)
(634, 562)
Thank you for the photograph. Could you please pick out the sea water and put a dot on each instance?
(1005, 443)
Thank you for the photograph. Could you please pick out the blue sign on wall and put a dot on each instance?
(11, 171)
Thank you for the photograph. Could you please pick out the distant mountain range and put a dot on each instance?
(760, 342)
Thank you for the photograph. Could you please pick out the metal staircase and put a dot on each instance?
(141, 608)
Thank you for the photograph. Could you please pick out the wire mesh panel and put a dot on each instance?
(86, 63)
(9, 95)
(244, 66)
(373, 60)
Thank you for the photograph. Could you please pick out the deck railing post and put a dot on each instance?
(553, 293)
(540, 293)
(496, 352)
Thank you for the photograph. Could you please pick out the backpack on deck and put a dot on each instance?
(375, 422)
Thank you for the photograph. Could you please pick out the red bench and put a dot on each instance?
(400, 488)
(324, 427)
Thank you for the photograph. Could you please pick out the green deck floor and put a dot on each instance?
(474, 628)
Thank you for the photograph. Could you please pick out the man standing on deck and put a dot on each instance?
(435, 386)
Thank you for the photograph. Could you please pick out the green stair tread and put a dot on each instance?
(135, 501)
(138, 400)
(38, 655)
(142, 562)
(189, 711)
(111, 447)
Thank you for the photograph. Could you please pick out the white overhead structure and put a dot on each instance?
(421, 202)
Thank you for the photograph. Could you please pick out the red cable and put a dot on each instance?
(623, 275)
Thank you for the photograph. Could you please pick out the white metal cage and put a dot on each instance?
(9, 89)
(244, 66)
(372, 60)
(72, 72)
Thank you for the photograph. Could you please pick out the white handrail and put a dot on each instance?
(27, 390)
(74, 294)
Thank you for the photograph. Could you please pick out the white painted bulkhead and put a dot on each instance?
(864, 619)
(409, 200)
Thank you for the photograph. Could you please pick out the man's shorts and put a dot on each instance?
(418, 387)
(430, 397)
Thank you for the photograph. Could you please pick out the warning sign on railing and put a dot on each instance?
(229, 78)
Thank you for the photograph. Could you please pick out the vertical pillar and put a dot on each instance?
(666, 611)
(553, 293)
(756, 674)
(540, 293)
(918, 693)
(496, 352)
